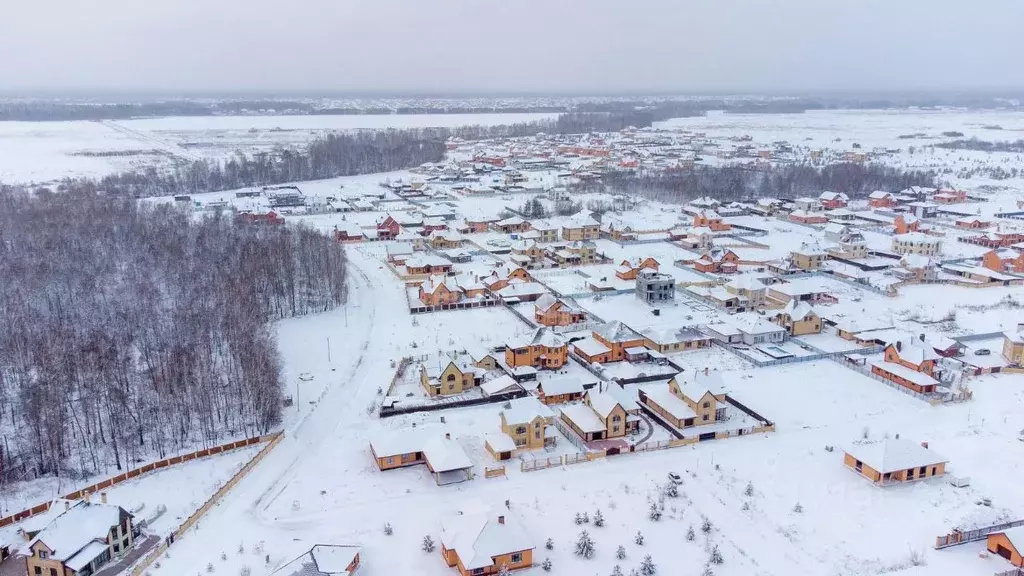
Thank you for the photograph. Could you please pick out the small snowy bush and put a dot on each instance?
(428, 543)
(638, 539)
(584, 546)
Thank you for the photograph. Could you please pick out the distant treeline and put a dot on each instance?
(334, 155)
(731, 183)
(1015, 147)
(659, 108)
(129, 329)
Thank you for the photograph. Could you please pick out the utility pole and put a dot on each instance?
(328, 349)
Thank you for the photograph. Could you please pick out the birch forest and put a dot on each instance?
(132, 330)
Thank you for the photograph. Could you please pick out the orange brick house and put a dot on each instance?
(717, 261)
(543, 350)
(482, 544)
(905, 223)
(628, 269)
(551, 311)
(881, 199)
(439, 290)
(1008, 544)
(894, 461)
(805, 217)
(833, 200)
(618, 337)
(501, 277)
(388, 228)
(1003, 260)
(710, 219)
(972, 223)
(909, 362)
(948, 196)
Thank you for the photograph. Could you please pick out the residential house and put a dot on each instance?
(560, 390)
(444, 458)
(916, 243)
(482, 544)
(398, 253)
(511, 225)
(717, 260)
(710, 219)
(479, 224)
(798, 318)
(905, 223)
(501, 385)
(1008, 544)
(972, 223)
(440, 291)
(421, 264)
(501, 277)
(923, 209)
(269, 217)
(580, 227)
(617, 337)
(894, 461)
(917, 267)
(996, 239)
(444, 239)
(551, 311)
(544, 349)
(806, 204)
(669, 341)
(348, 232)
(629, 268)
(323, 560)
(909, 362)
(720, 297)
(388, 228)
(1013, 345)
(574, 254)
(808, 257)
(881, 199)
(527, 423)
(946, 196)
(599, 417)
(654, 287)
(546, 230)
(519, 291)
(810, 290)
(754, 329)
(749, 287)
(704, 391)
(450, 374)
(592, 350)
(81, 539)
(526, 253)
(1004, 260)
(693, 238)
(806, 217)
(833, 200)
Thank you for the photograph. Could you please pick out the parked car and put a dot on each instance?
(982, 352)
(675, 478)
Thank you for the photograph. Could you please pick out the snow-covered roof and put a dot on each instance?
(321, 560)
(746, 282)
(559, 386)
(660, 394)
(74, 529)
(602, 403)
(892, 455)
(478, 538)
(583, 417)
(694, 385)
(500, 442)
(616, 331)
(515, 289)
(590, 346)
(529, 408)
(919, 378)
(753, 323)
(503, 383)
(879, 195)
(912, 349)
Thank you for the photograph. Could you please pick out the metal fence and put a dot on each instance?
(958, 537)
(929, 398)
(570, 435)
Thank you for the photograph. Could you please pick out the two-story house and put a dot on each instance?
(81, 540)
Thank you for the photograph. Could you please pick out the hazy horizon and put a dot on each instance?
(472, 48)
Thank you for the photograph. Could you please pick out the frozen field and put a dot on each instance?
(45, 151)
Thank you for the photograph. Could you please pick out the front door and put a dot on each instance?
(1003, 551)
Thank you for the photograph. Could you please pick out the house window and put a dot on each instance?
(391, 460)
(478, 571)
(520, 429)
(38, 571)
(517, 558)
(451, 378)
(616, 418)
(451, 386)
(704, 417)
(707, 404)
(53, 572)
(536, 424)
(615, 429)
(536, 435)
(43, 554)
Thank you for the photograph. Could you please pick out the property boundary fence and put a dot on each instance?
(494, 471)
(191, 521)
(796, 359)
(134, 473)
(570, 435)
(931, 399)
(388, 411)
(958, 537)
(534, 465)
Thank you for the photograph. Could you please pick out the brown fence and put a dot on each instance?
(132, 474)
(189, 522)
(494, 472)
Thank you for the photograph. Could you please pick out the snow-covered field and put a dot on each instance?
(777, 504)
(45, 151)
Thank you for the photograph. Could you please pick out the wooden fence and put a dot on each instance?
(132, 474)
(191, 521)
(958, 537)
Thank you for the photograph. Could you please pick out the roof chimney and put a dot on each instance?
(924, 444)
(67, 505)
(922, 336)
(103, 497)
(899, 346)
(447, 435)
(705, 370)
(501, 519)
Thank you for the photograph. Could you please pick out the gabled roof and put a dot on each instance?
(559, 386)
(892, 455)
(603, 403)
(527, 409)
(695, 384)
(478, 538)
(796, 311)
(746, 282)
(879, 195)
(616, 331)
(76, 528)
(321, 560)
(545, 302)
(913, 350)
(500, 384)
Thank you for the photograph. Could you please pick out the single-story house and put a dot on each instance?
(894, 460)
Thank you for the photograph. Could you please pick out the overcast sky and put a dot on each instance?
(517, 46)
